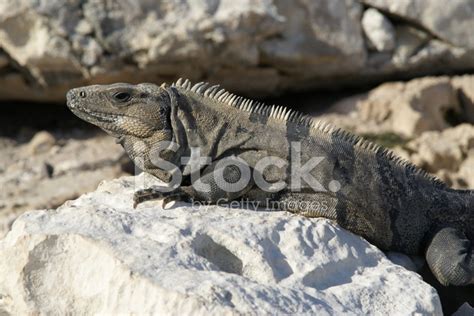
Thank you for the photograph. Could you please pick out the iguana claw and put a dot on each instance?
(144, 195)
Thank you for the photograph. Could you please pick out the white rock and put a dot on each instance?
(409, 41)
(379, 30)
(443, 150)
(464, 177)
(414, 263)
(41, 142)
(450, 20)
(464, 86)
(44, 173)
(84, 27)
(405, 108)
(97, 255)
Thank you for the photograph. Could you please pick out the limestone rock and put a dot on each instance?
(409, 40)
(47, 171)
(415, 107)
(412, 263)
(379, 30)
(98, 255)
(41, 142)
(319, 43)
(407, 109)
(450, 20)
(464, 177)
(464, 86)
(257, 48)
(443, 150)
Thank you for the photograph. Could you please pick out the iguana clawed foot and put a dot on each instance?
(144, 195)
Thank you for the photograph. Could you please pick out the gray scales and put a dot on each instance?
(373, 193)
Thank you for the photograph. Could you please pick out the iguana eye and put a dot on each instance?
(122, 96)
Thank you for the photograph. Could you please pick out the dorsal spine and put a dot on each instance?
(288, 115)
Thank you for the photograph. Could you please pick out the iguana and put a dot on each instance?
(363, 187)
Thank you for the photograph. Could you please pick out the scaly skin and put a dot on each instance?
(365, 188)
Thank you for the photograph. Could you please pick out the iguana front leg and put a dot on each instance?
(179, 194)
(450, 257)
(215, 185)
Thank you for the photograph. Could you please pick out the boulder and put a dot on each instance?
(49, 169)
(99, 255)
(465, 175)
(464, 86)
(409, 40)
(449, 20)
(257, 48)
(448, 154)
(406, 108)
(42, 142)
(442, 150)
(379, 30)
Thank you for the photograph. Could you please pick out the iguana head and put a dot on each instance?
(123, 109)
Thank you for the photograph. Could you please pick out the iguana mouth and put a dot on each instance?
(102, 116)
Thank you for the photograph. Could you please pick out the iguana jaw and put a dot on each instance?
(103, 120)
(115, 124)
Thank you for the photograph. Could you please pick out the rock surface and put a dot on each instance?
(448, 154)
(408, 108)
(449, 20)
(262, 47)
(45, 172)
(98, 255)
(379, 30)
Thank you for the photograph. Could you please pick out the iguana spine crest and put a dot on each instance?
(216, 93)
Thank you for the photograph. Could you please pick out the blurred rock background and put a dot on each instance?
(397, 72)
(253, 47)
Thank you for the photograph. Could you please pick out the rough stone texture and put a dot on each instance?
(98, 255)
(448, 154)
(442, 150)
(45, 172)
(261, 47)
(464, 86)
(465, 175)
(379, 30)
(407, 109)
(409, 40)
(42, 142)
(452, 21)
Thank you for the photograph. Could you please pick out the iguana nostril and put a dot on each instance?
(82, 94)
